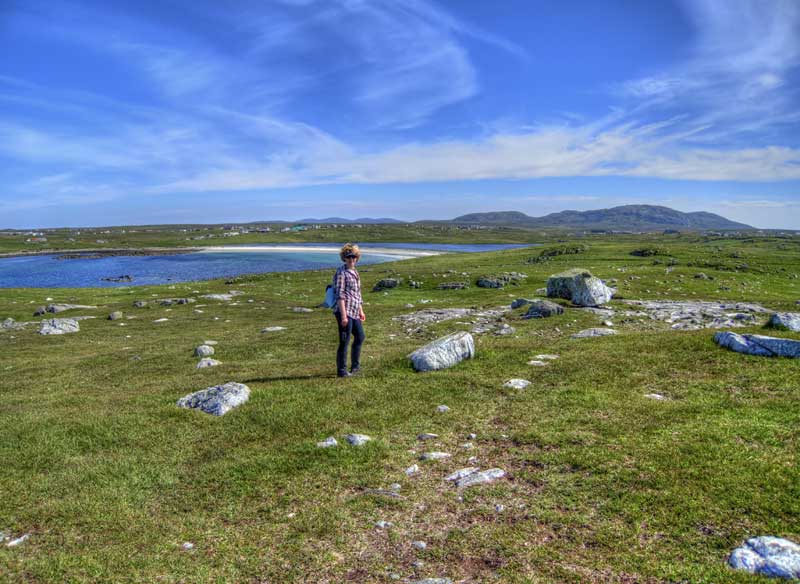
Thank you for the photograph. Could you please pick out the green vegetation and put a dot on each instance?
(604, 485)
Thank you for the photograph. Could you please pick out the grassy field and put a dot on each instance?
(110, 478)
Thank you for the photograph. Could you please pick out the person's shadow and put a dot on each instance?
(290, 378)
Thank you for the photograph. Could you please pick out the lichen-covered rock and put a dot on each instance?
(517, 383)
(116, 315)
(386, 284)
(139, 303)
(451, 286)
(56, 308)
(543, 309)
(273, 329)
(786, 320)
(329, 442)
(767, 556)
(520, 302)
(593, 332)
(206, 362)
(357, 439)
(579, 287)
(204, 351)
(759, 345)
(443, 352)
(59, 326)
(217, 400)
(480, 478)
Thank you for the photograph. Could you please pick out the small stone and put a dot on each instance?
(517, 383)
(505, 329)
(427, 436)
(329, 442)
(593, 332)
(409, 305)
(217, 400)
(412, 470)
(608, 323)
(395, 487)
(467, 446)
(18, 541)
(210, 343)
(472, 436)
(187, 545)
(442, 409)
(461, 473)
(536, 363)
(543, 309)
(161, 320)
(547, 357)
(479, 478)
(420, 545)
(204, 351)
(434, 456)
(206, 362)
(357, 439)
(655, 396)
(383, 524)
(432, 581)
(140, 303)
(273, 329)
(418, 564)
(301, 309)
(116, 315)
(499, 508)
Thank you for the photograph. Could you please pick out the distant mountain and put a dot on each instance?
(624, 218)
(369, 220)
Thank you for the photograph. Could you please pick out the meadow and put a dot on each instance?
(603, 484)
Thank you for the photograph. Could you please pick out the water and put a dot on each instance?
(46, 271)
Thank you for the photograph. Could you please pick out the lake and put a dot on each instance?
(46, 271)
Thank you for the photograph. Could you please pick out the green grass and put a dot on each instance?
(603, 485)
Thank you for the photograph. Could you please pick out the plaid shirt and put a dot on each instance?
(347, 287)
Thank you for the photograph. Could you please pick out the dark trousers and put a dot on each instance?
(355, 329)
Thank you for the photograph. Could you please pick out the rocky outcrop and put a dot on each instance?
(786, 320)
(543, 309)
(593, 332)
(579, 287)
(56, 308)
(697, 314)
(443, 352)
(452, 286)
(759, 345)
(59, 326)
(386, 284)
(217, 400)
(767, 556)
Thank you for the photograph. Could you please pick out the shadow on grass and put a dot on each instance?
(290, 378)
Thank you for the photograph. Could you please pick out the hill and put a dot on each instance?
(626, 217)
(363, 220)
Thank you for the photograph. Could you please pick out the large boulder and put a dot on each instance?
(786, 320)
(767, 556)
(443, 352)
(579, 287)
(59, 326)
(759, 345)
(217, 400)
(543, 309)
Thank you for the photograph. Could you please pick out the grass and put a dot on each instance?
(604, 485)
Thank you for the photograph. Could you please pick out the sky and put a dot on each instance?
(199, 111)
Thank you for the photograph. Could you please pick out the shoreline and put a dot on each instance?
(402, 253)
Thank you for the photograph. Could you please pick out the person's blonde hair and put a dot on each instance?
(349, 248)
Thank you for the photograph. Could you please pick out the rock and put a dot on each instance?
(499, 508)
(161, 320)
(505, 329)
(187, 545)
(427, 436)
(211, 343)
(412, 470)
(386, 284)
(443, 352)
(409, 305)
(759, 345)
(301, 309)
(520, 302)
(383, 524)
(225, 297)
(40, 311)
(767, 556)
(479, 478)
(273, 329)
(204, 351)
(395, 487)
(467, 445)
(217, 400)
(545, 356)
(59, 326)
(517, 383)
(702, 276)
(452, 286)
(594, 332)
(420, 545)
(536, 363)
(434, 455)
(140, 303)
(655, 396)
(329, 442)
(786, 320)
(116, 315)
(543, 309)
(18, 541)
(471, 436)
(461, 473)
(56, 308)
(442, 409)
(433, 581)
(11, 324)
(489, 282)
(696, 315)
(357, 439)
(580, 287)
(203, 363)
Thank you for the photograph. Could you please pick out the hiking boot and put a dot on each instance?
(344, 373)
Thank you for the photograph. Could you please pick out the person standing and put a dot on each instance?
(348, 310)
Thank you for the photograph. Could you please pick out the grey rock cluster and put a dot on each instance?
(452, 286)
(217, 400)
(500, 280)
(471, 476)
(579, 287)
(224, 297)
(696, 315)
(206, 362)
(543, 309)
(386, 284)
(767, 556)
(204, 351)
(59, 326)
(758, 345)
(517, 383)
(443, 352)
(786, 320)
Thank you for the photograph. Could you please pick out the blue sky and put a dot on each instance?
(201, 111)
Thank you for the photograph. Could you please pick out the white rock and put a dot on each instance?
(357, 439)
(329, 442)
(768, 556)
(427, 436)
(210, 343)
(18, 541)
(383, 524)
(655, 396)
(412, 470)
(594, 332)
(273, 329)
(206, 362)
(434, 456)
(580, 287)
(59, 326)
(546, 357)
(442, 409)
(187, 545)
(217, 400)
(479, 478)
(443, 352)
(204, 351)
(461, 473)
(420, 545)
(536, 363)
(517, 383)
(161, 320)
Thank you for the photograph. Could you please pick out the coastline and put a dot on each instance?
(392, 251)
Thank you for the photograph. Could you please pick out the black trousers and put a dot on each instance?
(355, 330)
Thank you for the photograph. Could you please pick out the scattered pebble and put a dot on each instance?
(656, 396)
(461, 473)
(383, 524)
(537, 363)
(161, 320)
(442, 409)
(427, 436)
(357, 439)
(412, 470)
(517, 383)
(420, 545)
(499, 508)
(207, 362)
(329, 442)
(187, 545)
(434, 456)
(467, 445)
(18, 541)
(395, 487)
(273, 329)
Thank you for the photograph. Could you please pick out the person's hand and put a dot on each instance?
(345, 320)
(362, 316)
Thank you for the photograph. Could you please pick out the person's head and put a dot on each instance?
(350, 253)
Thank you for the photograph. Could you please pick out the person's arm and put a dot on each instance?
(339, 285)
